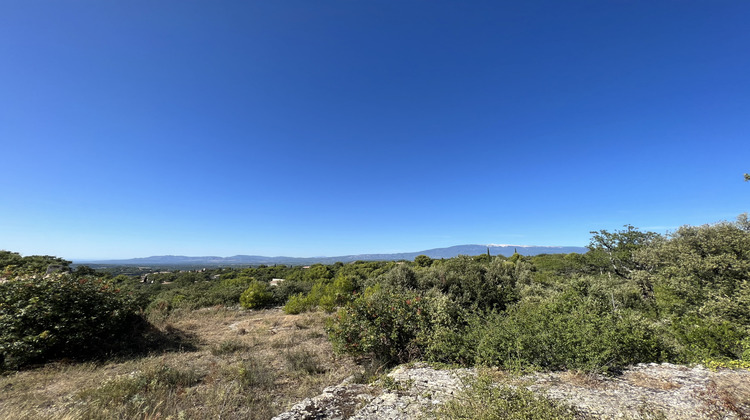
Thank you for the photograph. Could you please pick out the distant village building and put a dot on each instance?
(276, 282)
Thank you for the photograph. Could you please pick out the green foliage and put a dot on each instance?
(484, 400)
(324, 294)
(12, 264)
(700, 338)
(43, 318)
(701, 283)
(615, 251)
(256, 296)
(452, 334)
(318, 272)
(471, 283)
(401, 276)
(286, 289)
(701, 265)
(84, 271)
(387, 325)
(571, 330)
(726, 364)
(423, 261)
(297, 304)
(562, 264)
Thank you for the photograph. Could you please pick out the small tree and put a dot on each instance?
(423, 260)
(619, 248)
(256, 296)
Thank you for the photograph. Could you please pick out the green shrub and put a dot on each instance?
(297, 304)
(389, 325)
(286, 289)
(701, 338)
(571, 330)
(702, 270)
(324, 294)
(327, 302)
(43, 318)
(158, 310)
(476, 284)
(256, 296)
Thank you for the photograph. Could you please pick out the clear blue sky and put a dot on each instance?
(306, 128)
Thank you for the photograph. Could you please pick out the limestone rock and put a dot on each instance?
(645, 391)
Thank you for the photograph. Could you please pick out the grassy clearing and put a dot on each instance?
(246, 364)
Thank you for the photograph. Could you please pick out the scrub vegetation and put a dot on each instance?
(247, 342)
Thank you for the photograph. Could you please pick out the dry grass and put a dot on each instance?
(733, 393)
(583, 379)
(645, 381)
(248, 364)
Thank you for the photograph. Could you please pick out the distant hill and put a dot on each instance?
(450, 252)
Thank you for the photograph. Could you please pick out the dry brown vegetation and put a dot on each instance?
(645, 381)
(732, 392)
(245, 364)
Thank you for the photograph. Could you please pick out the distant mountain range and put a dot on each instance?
(450, 252)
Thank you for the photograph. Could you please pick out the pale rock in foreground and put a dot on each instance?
(643, 391)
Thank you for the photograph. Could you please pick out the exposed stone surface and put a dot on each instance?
(410, 391)
(643, 391)
(414, 390)
(653, 390)
(335, 403)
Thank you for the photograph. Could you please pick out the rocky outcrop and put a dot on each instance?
(652, 391)
(406, 393)
(643, 391)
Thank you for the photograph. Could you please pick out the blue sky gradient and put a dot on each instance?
(298, 128)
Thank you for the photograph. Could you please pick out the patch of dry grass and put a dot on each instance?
(583, 379)
(645, 381)
(732, 391)
(247, 364)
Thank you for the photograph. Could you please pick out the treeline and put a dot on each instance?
(634, 297)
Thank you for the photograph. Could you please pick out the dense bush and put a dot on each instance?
(43, 318)
(635, 297)
(326, 295)
(476, 284)
(392, 326)
(286, 289)
(12, 263)
(700, 265)
(700, 277)
(257, 295)
(699, 338)
(567, 332)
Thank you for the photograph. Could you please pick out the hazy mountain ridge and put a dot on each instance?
(448, 252)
